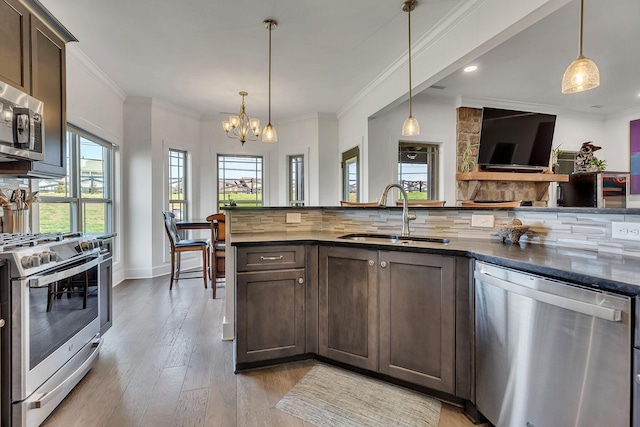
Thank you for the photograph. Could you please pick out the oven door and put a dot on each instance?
(54, 315)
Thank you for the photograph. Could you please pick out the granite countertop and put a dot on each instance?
(605, 271)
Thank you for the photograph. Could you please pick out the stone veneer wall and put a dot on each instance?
(586, 231)
(468, 123)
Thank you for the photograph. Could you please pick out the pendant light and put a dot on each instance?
(582, 74)
(269, 133)
(410, 126)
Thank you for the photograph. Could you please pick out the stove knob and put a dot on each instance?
(26, 261)
(53, 256)
(45, 257)
(35, 261)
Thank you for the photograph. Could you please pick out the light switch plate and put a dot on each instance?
(293, 218)
(625, 230)
(482, 221)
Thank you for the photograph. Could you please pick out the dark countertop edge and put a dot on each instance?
(613, 211)
(585, 280)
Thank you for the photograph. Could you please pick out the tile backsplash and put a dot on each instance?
(588, 231)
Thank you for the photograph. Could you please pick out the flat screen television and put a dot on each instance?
(515, 141)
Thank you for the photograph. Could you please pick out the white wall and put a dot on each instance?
(478, 27)
(437, 119)
(96, 104)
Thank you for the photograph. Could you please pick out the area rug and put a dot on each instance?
(333, 397)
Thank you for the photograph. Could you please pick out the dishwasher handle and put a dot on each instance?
(600, 312)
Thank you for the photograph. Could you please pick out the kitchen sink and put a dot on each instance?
(390, 238)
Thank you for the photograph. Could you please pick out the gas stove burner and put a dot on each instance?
(14, 240)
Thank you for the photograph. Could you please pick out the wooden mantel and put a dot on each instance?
(540, 181)
(512, 176)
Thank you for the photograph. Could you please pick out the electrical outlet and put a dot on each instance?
(625, 230)
(293, 218)
(482, 221)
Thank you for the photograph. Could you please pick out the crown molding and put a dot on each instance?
(74, 53)
(445, 25)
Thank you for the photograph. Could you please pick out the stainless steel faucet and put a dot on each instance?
(406, 217)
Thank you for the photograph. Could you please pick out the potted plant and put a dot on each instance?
(596, 165)
(555, 153)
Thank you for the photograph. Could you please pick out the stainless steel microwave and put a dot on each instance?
(21, 125)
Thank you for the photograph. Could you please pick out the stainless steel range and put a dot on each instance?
(50, 302)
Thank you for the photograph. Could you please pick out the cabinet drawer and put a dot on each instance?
(270, 257)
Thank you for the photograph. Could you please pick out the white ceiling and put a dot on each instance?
(528, 68)
(198, 54)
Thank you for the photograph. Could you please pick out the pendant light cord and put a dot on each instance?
(270, 29)
(580, 29)
(410, 109)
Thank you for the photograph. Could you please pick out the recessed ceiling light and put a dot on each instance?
(470, 68)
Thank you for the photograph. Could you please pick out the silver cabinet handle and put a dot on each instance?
(371, 263)
(383, 264)
(1, 323)
(605, 313)
(271, 258)
(638, 378)
(300, 280)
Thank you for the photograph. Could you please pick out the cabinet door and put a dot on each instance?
(417, 318)
(49, 86)
(14, 44)
(269, 315)
(347, 329)
(106, 292)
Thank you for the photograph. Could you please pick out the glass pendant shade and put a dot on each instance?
(255, 125)
(226, 125)
(582, 74)
(234, 120)
(411, 127)
(269, 134)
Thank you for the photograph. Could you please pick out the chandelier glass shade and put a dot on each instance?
(242, 127)
(582, 74)
(411, 127)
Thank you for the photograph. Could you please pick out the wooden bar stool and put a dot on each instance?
(218, 238)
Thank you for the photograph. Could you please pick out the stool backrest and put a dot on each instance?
(218, 228)
(170, 226)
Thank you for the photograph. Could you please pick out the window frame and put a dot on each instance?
(296, 184)
(183, 155)
(77, 203)
(259, 180)
(432, 151)
(347, 156)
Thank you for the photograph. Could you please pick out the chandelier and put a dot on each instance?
(242, 127)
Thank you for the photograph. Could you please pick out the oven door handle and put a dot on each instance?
(42, 281)
(44, 398)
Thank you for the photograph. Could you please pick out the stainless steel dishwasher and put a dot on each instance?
(550, 353)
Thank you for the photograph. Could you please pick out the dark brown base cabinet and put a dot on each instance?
(270, 303)
(348, 300)
(389, 312)
(417, 319)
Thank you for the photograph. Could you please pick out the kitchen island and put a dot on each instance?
(321, 282)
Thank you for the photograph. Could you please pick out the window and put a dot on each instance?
(418, 170)
(81, 200)
(239, 180)
(178, 184)
(296, 180)
(351, 175)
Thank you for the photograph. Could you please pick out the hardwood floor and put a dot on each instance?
(163, 364)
